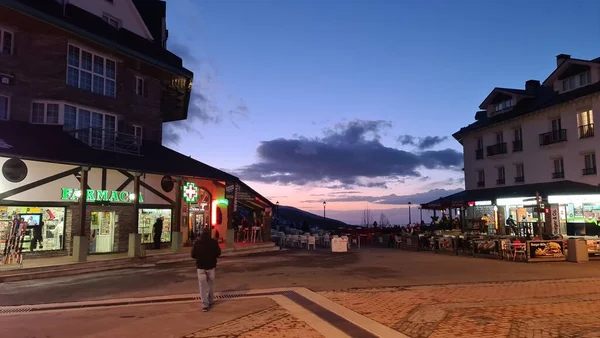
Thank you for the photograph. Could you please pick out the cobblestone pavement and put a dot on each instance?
(530, 309)
(271, 322)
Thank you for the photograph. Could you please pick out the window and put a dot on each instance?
(499, 138)
(556, 124)
(504, 105)
(479, 150)
(6, 42)
(559, 171)
(585, 124)
(45, 113)
(518, 139)
(577, 81)
(140, 85)
(91, 72)
(501, 177)
(4, 105)
(585, 78)
(480, 178)
(137, 132)
(590, 164)
(480, 143)
(116, 23)
(520, 173)
(94, 128)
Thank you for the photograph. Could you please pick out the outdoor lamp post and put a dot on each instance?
(421, 212)
(409, 217)
(324, 203)
(277, 209)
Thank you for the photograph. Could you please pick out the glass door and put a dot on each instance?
(102, 232)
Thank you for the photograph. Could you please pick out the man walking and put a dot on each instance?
(206, 251)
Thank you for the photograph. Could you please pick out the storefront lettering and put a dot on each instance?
(91, 195)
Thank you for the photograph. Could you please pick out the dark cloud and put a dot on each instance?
(350, 154)
(422, 143)
(198, 111)
(418, 198)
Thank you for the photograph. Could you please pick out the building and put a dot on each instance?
(85, 89)
(533, 146)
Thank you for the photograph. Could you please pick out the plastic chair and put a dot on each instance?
(312, 240)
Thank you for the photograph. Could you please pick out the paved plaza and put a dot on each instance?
(369, 293)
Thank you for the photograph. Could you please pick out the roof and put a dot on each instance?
(92, 27)
(545, 98)
(526, 190)
(23, 140)
(568, 62)
(507, 91)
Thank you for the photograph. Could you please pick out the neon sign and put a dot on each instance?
(92, 195)
(190, 192)
(223, 201)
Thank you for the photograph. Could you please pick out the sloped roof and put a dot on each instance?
(497, 90)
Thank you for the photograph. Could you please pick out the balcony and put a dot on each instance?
(480, 184)
(110, 140)
(500, 181)
(175, 99)
(555, 136)
(479, 154)
(586, 131)
(558, 175)
(517, 145)
(496, 149)
(589, 171)
(519, 179)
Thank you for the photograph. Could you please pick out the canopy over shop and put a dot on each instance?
(120, 194)
(533, 208)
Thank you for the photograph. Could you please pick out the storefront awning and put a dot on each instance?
(491, 194)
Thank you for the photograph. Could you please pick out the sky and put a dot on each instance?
(355, 102)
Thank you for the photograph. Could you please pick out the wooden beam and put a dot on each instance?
(125, 184)
(103, 178)
(38, 183)
(152, 190)
(83, 201)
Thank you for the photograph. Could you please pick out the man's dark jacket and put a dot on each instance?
(206, 251)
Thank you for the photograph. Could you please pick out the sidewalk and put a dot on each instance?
(37, 268)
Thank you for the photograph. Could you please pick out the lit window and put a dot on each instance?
(6, 42)
(45, 113)
(91, 72)
(4, 104)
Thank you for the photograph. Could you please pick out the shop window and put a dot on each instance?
(41, 228)
(147, 218)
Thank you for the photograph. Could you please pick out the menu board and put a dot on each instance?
(546, 249)
(593, 246)
(486, 247)
(446, 244)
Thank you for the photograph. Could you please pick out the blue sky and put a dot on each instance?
(287, 69)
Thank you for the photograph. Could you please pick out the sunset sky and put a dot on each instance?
(354, 102)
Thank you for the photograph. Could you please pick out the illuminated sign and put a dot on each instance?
(92, 195)
(566, 199)
(223, 201)
(190, 192)
(514, 201)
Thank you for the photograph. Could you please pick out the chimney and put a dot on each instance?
(560, 58)
(531, 86)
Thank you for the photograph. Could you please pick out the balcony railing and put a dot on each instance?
(517, 145)
(481, 184)
(560, 174)
(519, 179)
(479, 154)
(496, 149)
(589, 171)
(105, 139)
(586, 131)
(554, 136)
(500, 181)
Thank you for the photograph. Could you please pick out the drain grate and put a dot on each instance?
(15, 310)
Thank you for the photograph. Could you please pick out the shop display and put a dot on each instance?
(546, 249)
(43, 227)
(147, 218)
(593, 246)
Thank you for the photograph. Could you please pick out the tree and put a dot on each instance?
(383, 221)
(366, 220)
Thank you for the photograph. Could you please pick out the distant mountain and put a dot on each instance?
(290, 215)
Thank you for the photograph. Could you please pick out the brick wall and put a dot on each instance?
(39, 63)
(123, 227)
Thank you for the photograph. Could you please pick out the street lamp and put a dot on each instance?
(277, 209)
(324, 203)
(409, 217)
(421, 211)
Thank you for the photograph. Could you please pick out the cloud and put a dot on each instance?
(184, 53)
(199, 111)
(348, 155)
(422, 143)
(418, 198)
